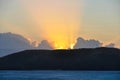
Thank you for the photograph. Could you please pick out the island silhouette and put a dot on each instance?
(77, 59)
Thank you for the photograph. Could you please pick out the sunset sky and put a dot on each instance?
(62, 21)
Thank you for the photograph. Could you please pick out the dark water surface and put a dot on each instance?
(59, 75)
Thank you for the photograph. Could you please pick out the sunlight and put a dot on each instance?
(59, 45)
(72, 46)
(62, 45)
(55, 23)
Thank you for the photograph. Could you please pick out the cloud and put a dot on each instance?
(111, 45)
(45, 45)
(10, 43)
(82, 43)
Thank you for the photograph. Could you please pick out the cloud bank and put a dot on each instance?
(82, 43)
(111, 45)
(45, 45)
(11, 43)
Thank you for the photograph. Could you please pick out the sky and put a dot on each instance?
(61, 22)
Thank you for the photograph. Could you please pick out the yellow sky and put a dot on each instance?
(59, 22)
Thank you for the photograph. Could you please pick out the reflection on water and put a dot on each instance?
(59, 75)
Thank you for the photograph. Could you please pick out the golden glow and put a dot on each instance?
(72, 46)
(58, 46)
(56, 23)
(62, 46)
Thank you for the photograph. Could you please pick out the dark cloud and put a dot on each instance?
(10, 43)
(45, 45)
(111, 45)
(82, 43)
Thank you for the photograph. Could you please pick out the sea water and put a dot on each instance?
(59, 75)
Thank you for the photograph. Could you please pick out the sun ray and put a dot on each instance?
(53, 23)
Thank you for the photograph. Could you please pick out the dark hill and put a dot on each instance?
(80, 59)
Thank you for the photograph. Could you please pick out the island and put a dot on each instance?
(77, 59)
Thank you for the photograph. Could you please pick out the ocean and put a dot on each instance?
(59, 75)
